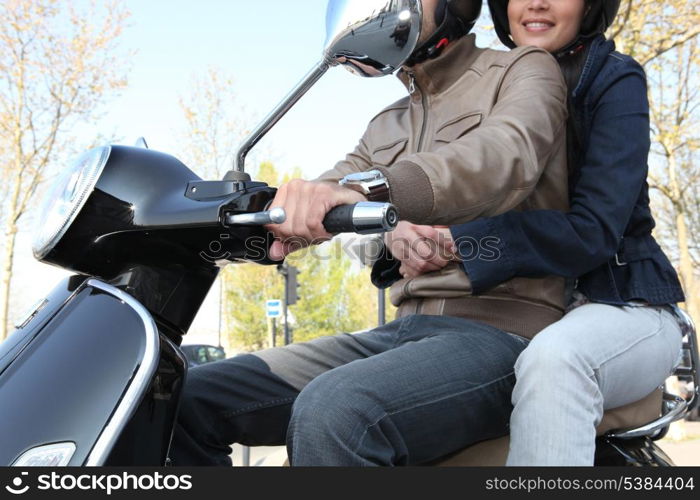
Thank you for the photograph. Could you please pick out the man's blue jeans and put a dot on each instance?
(409, 392)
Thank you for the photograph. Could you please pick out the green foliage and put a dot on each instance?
(266, 172)
(246, 288)
(334, 296)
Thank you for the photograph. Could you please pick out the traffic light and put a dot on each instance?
(290, 273)
(292, 285)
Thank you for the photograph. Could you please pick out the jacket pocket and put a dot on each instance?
(386, 155)
(457, 127)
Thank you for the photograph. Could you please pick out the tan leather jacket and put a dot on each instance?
(481, 132)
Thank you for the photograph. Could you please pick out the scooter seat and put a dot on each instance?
(493, 452)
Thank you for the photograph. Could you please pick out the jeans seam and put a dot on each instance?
(519, 338)
(257, 406)
(627, 348)
(402, 328)
(451, 395)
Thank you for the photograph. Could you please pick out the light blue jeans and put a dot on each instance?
(596, 357)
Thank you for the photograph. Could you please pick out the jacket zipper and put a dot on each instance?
(412, 86)
(411, 90)
(411, 83)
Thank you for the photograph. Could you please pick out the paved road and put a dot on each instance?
(686, 452)
(262, 456)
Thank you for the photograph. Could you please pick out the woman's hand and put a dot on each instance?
(421, 249)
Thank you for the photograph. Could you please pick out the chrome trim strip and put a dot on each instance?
(677, 407)
(139, 383)
(28, 316)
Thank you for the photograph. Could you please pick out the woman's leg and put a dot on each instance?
(597, 357)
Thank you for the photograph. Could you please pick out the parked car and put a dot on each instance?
(199, 354)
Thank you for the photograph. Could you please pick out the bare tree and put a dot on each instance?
(674, 98)
(662, 36)
(646, 29)
(214, 123)
(58, 65)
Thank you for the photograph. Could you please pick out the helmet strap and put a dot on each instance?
(451, 28)
(574, 47)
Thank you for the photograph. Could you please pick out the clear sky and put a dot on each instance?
(267, 47)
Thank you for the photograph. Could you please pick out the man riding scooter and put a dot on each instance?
(479, 133)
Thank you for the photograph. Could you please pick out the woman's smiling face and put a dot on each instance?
(548, 24)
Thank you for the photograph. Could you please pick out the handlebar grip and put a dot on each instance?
(363, 218)
(339, 220)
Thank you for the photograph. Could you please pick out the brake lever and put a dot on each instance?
(272, 216)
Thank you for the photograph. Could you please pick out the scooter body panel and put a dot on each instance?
(74, 371)
(41, 312)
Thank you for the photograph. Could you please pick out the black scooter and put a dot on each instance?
(93, 374)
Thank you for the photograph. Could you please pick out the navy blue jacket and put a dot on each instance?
(605, 240)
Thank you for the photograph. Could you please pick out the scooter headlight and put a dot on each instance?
(67, 198)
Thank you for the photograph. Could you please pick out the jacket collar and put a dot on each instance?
(435, 75)
(596, 56)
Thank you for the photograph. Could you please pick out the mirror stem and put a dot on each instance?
(302, 87)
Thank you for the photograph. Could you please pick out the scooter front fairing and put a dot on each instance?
(94, 370)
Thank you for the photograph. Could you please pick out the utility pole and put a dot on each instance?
(285, 305)
(381, 307)
(273, 341)
(272, 331)
(291, 294)
(221, 305)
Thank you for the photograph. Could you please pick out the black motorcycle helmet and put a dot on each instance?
(598, 18)
(455, 18)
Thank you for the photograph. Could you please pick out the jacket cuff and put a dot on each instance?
(410, 191)
(483, 253)
(385, 271)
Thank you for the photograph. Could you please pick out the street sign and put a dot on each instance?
(273, 308)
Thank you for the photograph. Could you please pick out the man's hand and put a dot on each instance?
(421, 249)
(306, 204)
